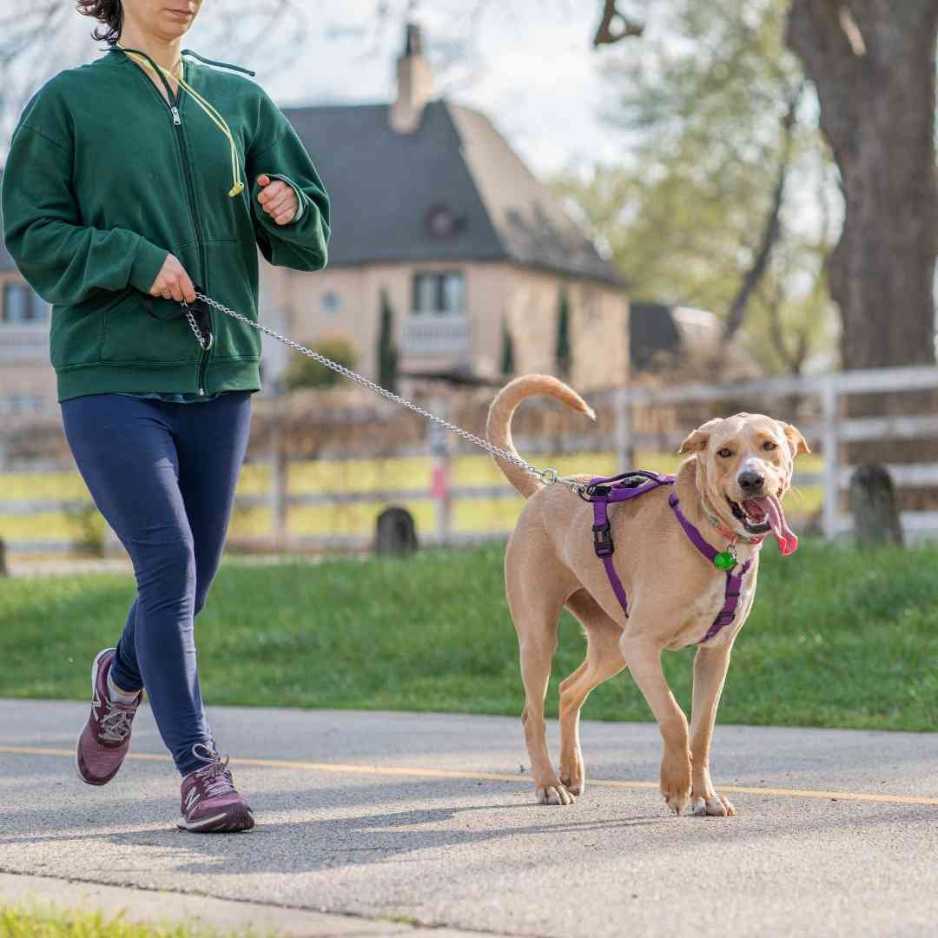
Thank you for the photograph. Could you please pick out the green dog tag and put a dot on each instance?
(724, 560)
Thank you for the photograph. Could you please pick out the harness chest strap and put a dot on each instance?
(603, 491)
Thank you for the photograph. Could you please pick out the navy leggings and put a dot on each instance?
(164, 476)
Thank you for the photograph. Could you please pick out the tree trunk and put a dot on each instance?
(873, 64)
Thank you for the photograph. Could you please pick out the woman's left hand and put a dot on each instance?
(277, 199)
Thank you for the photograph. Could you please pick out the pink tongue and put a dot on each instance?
(787, 539)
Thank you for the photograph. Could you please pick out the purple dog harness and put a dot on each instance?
(621, 488)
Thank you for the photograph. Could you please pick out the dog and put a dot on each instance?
(730, 488)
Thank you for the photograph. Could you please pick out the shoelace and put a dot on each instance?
(115, 725)
(211, 780)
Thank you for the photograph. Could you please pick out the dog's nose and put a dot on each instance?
(751, 482)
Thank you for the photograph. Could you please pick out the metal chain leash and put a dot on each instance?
(204, 344)
(547, 476)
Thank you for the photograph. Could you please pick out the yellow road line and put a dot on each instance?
(401, 771)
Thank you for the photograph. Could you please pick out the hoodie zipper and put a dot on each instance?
(190, 194)
(172, 102)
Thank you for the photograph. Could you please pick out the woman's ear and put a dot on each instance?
(697, 441)
(795, 439)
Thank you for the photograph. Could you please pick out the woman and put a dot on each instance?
(123, 190)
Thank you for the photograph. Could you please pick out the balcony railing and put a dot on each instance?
(428, 336)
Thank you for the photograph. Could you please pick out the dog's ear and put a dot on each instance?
(795, 439)
(698, 440)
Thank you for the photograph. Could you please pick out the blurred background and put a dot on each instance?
(682, 208)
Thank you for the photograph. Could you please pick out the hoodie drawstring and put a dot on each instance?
(141, 58)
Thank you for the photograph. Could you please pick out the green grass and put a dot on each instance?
(23, 923)
(837, 638)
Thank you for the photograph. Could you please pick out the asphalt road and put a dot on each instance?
(388, 821)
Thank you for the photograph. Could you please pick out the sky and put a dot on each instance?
(528, 64)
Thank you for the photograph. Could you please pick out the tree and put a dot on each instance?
(508, 351)
(387, 348)
(562, 351)
(706, 207)
(873, 64)
(306, 372)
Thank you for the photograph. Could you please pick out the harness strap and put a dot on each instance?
(602, 491)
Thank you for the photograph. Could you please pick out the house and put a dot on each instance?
(434, 217)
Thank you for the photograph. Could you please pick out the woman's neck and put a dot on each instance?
(164, 52)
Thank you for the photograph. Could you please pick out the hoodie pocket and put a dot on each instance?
(76, 335)
(140, 330)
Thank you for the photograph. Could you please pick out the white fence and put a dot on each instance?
(827, 431)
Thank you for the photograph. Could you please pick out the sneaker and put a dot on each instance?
(210, 802)
(104, 741)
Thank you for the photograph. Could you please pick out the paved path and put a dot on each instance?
(390, 820)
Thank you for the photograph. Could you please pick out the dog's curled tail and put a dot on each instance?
(498, 425)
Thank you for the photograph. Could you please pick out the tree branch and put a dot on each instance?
(772, 229)
(615, 26)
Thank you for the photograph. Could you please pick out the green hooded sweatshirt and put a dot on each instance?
(105, 177)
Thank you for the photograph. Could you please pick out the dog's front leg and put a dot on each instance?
(710, 667)
(643, 658)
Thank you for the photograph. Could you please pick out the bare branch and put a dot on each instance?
(851, 30)
(773, 225)
(615, 26)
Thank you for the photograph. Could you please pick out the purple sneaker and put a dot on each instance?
(210, 802)
(104, 741)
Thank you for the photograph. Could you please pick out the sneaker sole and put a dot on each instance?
(94, 676)
(228, 822)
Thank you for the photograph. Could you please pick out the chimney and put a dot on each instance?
(414, 83)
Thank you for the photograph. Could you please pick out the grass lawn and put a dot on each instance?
(837, 638)
(21, 923)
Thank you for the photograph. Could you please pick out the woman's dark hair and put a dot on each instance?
(108, 12)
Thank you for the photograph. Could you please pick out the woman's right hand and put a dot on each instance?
(173, 283)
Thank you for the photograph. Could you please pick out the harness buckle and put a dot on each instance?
(602, 540)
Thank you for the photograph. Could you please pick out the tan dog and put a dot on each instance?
(738, 471)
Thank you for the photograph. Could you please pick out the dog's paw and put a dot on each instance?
(675, 781)
(554, 794)
(714, 805)
(573, 775)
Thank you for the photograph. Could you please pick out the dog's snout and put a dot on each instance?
(751, 482)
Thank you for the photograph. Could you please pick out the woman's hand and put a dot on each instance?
(173, 283)
(277, 199)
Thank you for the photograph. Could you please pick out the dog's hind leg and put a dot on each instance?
(603, 661)
(535, 604)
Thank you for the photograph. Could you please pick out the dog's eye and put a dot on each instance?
(724, 453)
(768, 446)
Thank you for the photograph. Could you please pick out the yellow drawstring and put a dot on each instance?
(210, 111)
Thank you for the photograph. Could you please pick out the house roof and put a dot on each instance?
(452, 190)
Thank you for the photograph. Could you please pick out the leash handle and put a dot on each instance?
(546, 476)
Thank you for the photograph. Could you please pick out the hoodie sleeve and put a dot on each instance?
(62, 259)
(278, 152)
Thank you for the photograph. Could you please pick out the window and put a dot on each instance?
(21, 304)
(439, 294)
(331, 302)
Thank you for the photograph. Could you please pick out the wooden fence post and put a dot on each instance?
(440, 482)
(623, 430)
(279, 483)
(830, 445)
